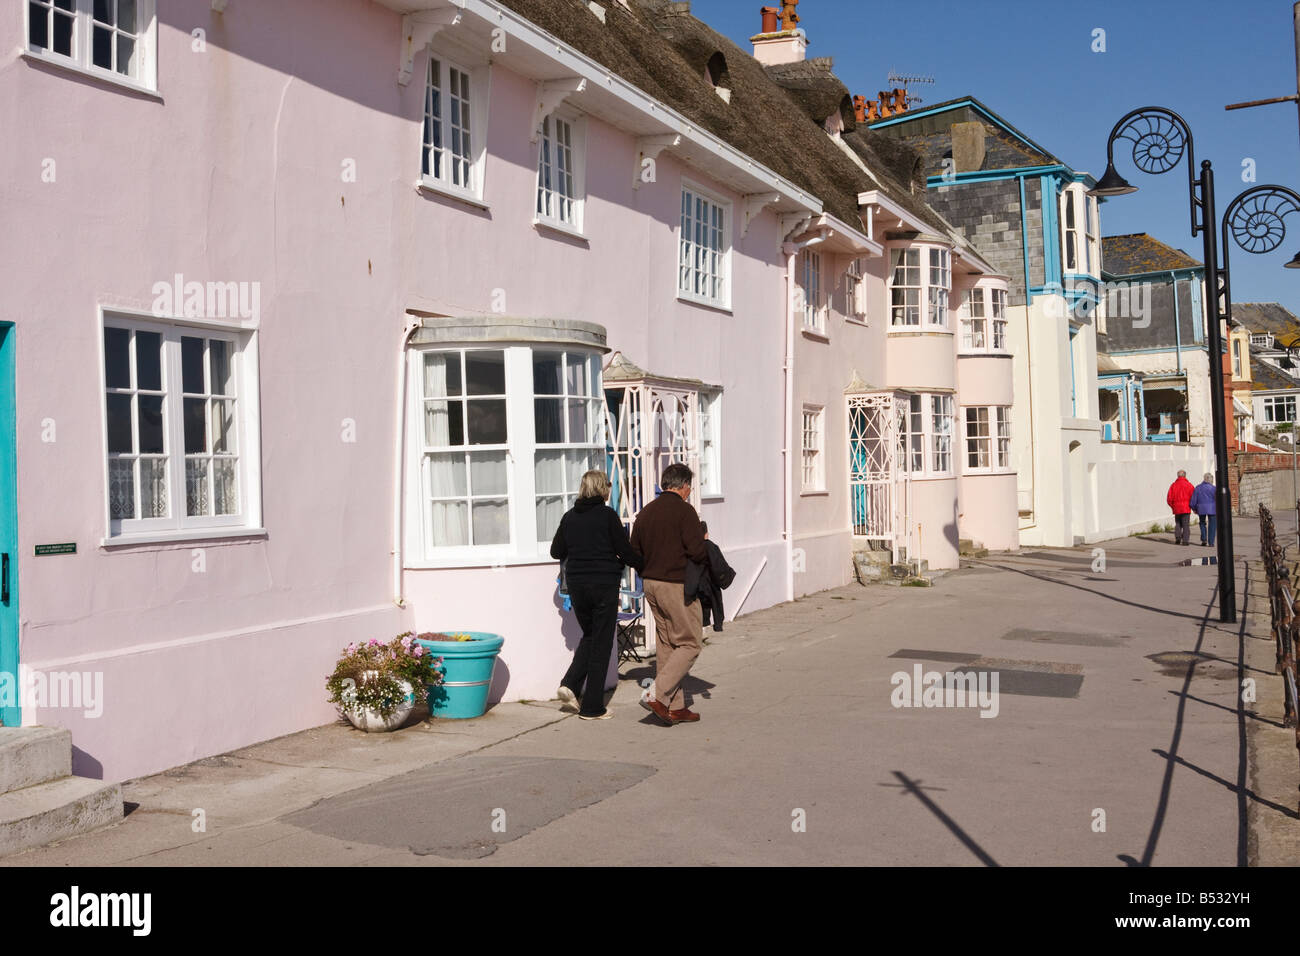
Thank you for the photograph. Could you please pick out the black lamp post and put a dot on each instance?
(1160, 137)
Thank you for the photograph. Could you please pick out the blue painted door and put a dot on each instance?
(9, 714)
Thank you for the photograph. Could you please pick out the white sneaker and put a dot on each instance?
(609, 712)
(567, 697)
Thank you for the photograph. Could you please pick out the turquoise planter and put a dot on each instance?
(467, 668)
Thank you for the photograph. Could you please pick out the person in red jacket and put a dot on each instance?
(1179, 500)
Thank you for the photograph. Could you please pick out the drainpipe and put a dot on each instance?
(399, 464)
(791, 250)
(1178, 335)
(1029, 360)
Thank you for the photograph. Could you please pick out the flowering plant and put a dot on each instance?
(380, 676)
(435, 636)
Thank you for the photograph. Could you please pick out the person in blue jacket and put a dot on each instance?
(1203, 504)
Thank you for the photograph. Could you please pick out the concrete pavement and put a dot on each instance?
(1118, 738)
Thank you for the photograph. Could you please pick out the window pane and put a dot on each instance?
(450, 523)
(579, 463)
(488, 473)
(119, 424)
(121, 488)
(487, 421)
(546, 373)
(151, 424)
(550, 509)
(226, 494)
(196, 487)
(444, 424)
(196, 434)
(220, 379)
(148, 361)
(126, 15)
(223, 426)
(579, 424)
(102, 54)
(192, 365)
(125, 55)
(117, 358)
(153, 487)
(574, 368)
(447, 477)
(104, 11)
(63, 32)
(38, 33)
(491, 522)
(442, 374)
(485, 373)
(548, 419)
(548, 472)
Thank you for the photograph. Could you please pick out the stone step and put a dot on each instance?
(55, 810)
(33, 755)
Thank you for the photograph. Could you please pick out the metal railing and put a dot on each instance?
(1284, 611)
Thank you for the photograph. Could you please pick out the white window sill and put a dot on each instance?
(563, 228)
(437, 186)
(987, 472)
(944, 476)
(984, 353)
(496, 564)
(919, 330)
(707, 303)
(107, 77)
(712, 496)
(194, 535)
(814, 493)
(816, 335)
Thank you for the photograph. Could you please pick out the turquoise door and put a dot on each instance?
(9, 714)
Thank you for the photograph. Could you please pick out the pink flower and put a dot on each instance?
(352, 648)
(418, 650)
(373, 642)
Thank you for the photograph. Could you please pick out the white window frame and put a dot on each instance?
(438, 173)
(710, 432)
(993, 431)
(81, 52)
(521, 448)
(687, 254)
(810, 284)
(812, 457)
(1287, 403)
(855, 300)
(550, 203)
(1261, 339)
(920, 439)
(177, 525)
(991, 326)
(932, 272)
(1092, 231)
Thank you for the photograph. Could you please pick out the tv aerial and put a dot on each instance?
(908, 80)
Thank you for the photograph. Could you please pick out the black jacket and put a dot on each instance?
(592, 541)
(707, 581)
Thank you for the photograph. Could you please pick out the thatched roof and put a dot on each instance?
(816, 89)
(658, 46)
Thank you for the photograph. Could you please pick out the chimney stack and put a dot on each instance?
(967, 147)
(780, 42)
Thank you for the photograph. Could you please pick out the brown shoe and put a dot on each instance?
(659, 710)
(683, 716)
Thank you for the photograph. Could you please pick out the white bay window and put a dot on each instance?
(919, 282)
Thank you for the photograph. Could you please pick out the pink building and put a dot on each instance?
(313, 332)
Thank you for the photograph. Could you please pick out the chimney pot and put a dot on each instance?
(769, 15)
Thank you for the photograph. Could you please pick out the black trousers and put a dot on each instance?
(595, 603)
(1182, 529)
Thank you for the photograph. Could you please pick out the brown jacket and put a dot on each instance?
(668, 533)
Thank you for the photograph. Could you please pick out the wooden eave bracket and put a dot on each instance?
(550, 94)
(754, 203)
(219, 5)
(649, 147)
(418, 31)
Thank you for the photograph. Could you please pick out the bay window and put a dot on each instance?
(1279, 409)
(917, 275)
(983, 319)
(504, 437)
(988, 438)
(710, 401)
(925, 428)
(998, 300)
(972, 321)
(940, 434)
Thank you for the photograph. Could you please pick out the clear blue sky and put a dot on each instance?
(1032, 62)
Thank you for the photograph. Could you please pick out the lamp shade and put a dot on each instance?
(1112, 184)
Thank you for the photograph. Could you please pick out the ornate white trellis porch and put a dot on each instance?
(879, 490)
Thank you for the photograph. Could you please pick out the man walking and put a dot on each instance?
(1179, 500)
(667, 533)
(1203, 504)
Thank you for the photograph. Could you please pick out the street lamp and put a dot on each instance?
(1255, 219)
(1160, 137)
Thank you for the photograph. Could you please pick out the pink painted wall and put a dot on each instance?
(236, 175)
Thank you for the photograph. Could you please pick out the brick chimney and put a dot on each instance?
(780, 42)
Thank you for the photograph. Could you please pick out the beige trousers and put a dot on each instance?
(679, 634)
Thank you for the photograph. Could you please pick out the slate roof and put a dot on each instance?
(1268, 317)
(1264, 376)
(1156, 329)
(928, 134)
(1139, 253)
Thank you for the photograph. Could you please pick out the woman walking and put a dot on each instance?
(593, 543)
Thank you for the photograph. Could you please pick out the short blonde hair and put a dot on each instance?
(595, 484)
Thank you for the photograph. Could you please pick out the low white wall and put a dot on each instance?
(1132, 479)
